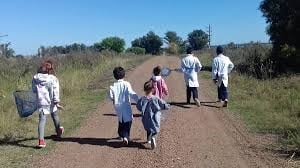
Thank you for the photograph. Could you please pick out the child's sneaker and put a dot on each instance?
(197, 102)
(42, 143)
(149, 139)
(225, 104)
(125, 141)
(60, 131)
(153, 143)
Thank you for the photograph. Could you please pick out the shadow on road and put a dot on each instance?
(110, 142)
(181, 104)
(114, 115)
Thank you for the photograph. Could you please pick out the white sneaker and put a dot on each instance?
(153, 143)
(125, 141)
(149, 142)
(197, 102)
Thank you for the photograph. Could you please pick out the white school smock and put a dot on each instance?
(47, 88)
(221, 67)
(190, 66)
(120, 93)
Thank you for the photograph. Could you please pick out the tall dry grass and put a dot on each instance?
(76, 72)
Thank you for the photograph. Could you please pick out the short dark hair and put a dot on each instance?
(148, 87)
(119, 73)
(220, 50)
(157, 70)
(189, 50)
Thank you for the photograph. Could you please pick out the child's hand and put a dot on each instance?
(60, 106)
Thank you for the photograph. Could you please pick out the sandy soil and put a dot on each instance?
(190, 137)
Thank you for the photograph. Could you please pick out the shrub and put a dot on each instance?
(136, 50)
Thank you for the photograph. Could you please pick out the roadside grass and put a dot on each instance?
(18, 137)
(265, 106)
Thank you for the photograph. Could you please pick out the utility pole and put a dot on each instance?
(209, 31)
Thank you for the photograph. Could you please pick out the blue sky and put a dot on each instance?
(32, 23)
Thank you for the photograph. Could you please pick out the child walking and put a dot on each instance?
(160, 88)
(120, 93)
(150, 107)
(46, 86)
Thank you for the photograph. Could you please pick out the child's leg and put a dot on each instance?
(219, 93)
(126, 130)
(120, 130)
(195, 93)
(188, 94)
(56, 121)
(148, 135)
(41, 127)
(224, 92)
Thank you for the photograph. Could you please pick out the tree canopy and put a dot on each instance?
(151, 42)
(198, 39)
(282, 17)
(113, 43)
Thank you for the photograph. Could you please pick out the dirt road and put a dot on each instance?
(190, 136)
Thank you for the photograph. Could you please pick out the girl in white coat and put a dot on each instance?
(46, 86)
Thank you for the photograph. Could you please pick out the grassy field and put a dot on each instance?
(18, 137)
(265, 106)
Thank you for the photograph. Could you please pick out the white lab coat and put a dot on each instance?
(120, 93)
(221, 67)
(190, 66)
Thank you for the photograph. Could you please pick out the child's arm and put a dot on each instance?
(164, 87)
(163, 105)
(110, 94)
(139, 105)
(56, 99)
(198, 65)
(132, 93)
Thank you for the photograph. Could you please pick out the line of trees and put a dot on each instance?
(150, 43)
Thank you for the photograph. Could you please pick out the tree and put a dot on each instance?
(281, 17)
(151, 42)
(175, 43)
(198, 39)
(113, 43)
(172, 37)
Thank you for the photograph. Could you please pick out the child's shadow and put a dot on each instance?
(20, 143)
(114, 115)
(110, 142)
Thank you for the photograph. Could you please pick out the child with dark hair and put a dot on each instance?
(160, 88)
(120, 93)
(150, 106)
(46, 86)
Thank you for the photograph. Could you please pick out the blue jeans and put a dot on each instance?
(42, 123)
(189, 92)
(222, 92)
(124, 129)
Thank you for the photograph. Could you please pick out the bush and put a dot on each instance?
(113, 43)
(136, 50)
(252, 59)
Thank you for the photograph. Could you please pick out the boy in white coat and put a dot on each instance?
(221, 67)
(190, 66)
(120, 93)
